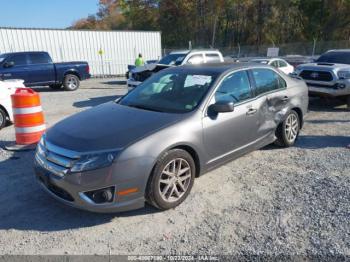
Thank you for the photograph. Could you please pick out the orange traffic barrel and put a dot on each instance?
(28, 116)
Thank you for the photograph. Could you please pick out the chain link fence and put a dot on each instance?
(313, 48)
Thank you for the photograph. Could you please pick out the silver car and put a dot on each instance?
(180, 123)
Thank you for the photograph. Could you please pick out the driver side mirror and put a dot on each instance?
(222, 107)
(8, 64)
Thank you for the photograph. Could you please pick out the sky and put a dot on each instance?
(44, 13)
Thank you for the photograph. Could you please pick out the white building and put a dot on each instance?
(107, 52)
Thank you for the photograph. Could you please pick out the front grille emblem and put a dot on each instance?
(314, 75)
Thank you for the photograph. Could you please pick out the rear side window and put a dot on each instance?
(18, 60)
(275, 63)
(267, 80)
(39, 58)
(282, 63)
(212, 58)
(235, 88)
(195, 59)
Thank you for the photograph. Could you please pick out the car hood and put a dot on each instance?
(149, 67)
(323, 65)
(109, 126)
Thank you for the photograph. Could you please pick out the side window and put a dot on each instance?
(267, 80)
(18, 60)
(275, 64)
(212, 58)
(235, 87)
(282, 63)
(195, 59)
(39, 58)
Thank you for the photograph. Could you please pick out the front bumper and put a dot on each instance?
(332, 89)
(71, 188)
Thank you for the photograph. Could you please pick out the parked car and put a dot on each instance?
(37, 69)
(180, 123)
(7, 88)
(329, 75)
(278, 63)
(131, 67)
(296, 60)
(176, 58)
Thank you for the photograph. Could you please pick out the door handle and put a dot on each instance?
(251, 111)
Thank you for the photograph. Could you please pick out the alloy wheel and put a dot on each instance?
(175, 180)
(72, 83)
(292, 128)
(2, 120)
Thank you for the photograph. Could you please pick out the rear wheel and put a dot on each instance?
(71, 82)
(171, 180)
(3, 118)
(288, 131)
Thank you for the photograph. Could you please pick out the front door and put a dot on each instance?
(17, 70)
(228, 133)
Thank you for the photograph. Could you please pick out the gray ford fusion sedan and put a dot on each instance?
(152, 143)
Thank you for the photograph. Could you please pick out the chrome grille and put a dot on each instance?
(317, 75)
(55, 159)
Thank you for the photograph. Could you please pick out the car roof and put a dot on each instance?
(216, 68)
(193, 50)
(339, 50)
(25, 52)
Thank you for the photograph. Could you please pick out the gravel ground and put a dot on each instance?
(274, 201)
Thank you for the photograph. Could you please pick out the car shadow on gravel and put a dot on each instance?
(94, 101)
(318, 142)
(26, 206)
(315, 142)
(42, 89)
(115, 82)
(327, 105)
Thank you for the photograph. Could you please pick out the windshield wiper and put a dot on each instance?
(144, 108)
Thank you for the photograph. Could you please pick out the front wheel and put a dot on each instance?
(171, 180)
(3, 118)
(287, 132)
(71, 82)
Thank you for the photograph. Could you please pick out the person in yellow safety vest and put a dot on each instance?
(139, 61)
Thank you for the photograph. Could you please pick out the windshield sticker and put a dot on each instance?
(192, 80)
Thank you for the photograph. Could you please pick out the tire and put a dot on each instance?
(287, 136)
(162, 195)
(71, 82)
(3, 118)
(56, 86)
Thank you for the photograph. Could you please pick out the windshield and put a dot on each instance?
(336, 57)
(172, 59)
(2, 57)
(176, 92)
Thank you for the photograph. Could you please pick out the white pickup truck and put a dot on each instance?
(7, 88)
(176, 58)
(329, 75)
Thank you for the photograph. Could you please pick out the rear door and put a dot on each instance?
(271, 100)
(42, 70)
(19, 70)
(228, 133)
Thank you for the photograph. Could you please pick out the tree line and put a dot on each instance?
(226, 23)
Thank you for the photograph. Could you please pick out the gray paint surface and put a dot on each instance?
(144, 136)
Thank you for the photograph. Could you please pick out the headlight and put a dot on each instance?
(130, 75)
(344, 74)
(94, 161)
(297, 71)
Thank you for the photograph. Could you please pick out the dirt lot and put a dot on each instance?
(272, 201)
